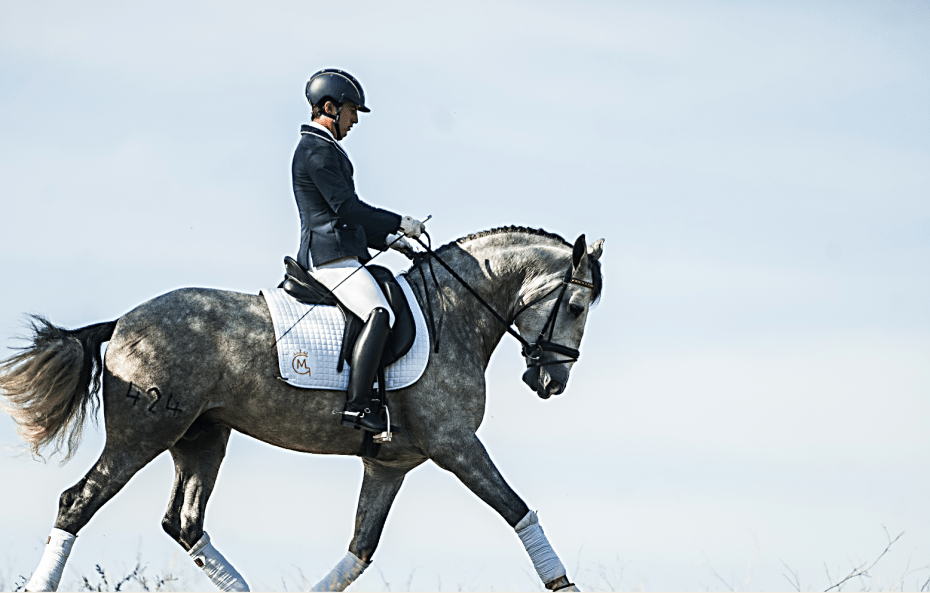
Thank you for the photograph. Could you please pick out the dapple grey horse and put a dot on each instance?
(185, 369)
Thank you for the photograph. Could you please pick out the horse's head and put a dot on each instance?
(552, 313)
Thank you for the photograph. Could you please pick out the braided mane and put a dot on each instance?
(513, 229)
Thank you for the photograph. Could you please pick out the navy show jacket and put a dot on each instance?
(334, 222)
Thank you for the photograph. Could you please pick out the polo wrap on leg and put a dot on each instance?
(343, 575)
(52, 565)
(220, 571)
(545, 561)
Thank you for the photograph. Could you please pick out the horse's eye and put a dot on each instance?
(576, 309)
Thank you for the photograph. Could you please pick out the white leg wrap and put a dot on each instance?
(220, 571)
(343, 575)
(48, 574)
(547, 564)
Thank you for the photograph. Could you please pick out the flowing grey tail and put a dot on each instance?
(48, 385)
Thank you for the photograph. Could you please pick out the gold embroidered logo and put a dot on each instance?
(301, 363)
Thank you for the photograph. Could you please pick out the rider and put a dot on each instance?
(337, 228)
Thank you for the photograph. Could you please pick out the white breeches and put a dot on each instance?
(358, 291)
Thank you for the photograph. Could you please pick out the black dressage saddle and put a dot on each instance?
(300, 285)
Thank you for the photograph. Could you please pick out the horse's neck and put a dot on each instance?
(498, 271)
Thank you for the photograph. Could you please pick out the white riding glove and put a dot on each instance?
(398, 242)
(411, 227)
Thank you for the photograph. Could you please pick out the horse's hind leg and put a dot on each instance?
(379, 487)
(117, 464)
(197, 457)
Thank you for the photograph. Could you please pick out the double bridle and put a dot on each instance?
(532, 351)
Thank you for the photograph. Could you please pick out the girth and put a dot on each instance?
(303, 287)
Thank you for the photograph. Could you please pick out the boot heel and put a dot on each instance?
(351, 419)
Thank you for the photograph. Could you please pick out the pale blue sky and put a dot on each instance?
(755, 379)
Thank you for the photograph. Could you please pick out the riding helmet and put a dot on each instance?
(337, 86)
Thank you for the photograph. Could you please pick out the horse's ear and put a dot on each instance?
(596, 249)
(578, 252)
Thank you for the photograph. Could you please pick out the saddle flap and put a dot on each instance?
(303, 287)
(404, 331)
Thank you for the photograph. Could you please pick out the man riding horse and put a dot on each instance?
(337, 228)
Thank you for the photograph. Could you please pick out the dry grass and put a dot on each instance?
(857, 577)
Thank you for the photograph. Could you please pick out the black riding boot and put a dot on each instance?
(365, 358)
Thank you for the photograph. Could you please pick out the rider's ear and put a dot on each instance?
(579, 252)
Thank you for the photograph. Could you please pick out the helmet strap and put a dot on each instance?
(335, 119)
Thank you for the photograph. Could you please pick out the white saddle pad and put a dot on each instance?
(308, 352)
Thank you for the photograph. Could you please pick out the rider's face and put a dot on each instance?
(348, 117)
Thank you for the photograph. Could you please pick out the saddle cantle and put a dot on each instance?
(303, 287)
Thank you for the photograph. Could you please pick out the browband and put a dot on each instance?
(581, 283)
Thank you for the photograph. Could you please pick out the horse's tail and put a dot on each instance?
(49, 384)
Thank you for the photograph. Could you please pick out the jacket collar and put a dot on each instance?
(315, 126)
(315, 129)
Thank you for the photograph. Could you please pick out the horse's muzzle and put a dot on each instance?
(540, 381)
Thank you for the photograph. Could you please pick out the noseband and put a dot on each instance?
(534, 351)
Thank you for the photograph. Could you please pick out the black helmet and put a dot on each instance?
(336, 85)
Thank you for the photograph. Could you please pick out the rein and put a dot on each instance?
(533, 351)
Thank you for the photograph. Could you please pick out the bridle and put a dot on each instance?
(532, 351)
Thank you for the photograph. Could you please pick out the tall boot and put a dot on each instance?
(366, 354)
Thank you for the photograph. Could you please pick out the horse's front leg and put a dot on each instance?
(466, 457)
(380, 485)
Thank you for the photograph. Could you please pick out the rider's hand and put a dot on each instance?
(398, 242)
(411, 227)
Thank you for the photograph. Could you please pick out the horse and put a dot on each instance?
(186, 368)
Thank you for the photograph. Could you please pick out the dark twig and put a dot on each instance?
(20, 585)
(720, 578)
(387, 585)
(859, 571)
(796, 583)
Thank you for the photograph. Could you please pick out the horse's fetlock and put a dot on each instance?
(559, 583)
(190, 536)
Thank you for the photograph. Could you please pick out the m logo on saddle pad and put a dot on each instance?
(311, 339)
(300, 363)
